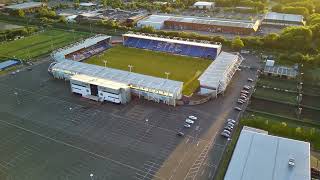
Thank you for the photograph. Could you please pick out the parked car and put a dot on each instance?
(189, 121)
(244, 91)
(242, 94)
(240, 102)
(230, 124)
(231, 120)
(237, 108)
(192, 117)
(225, 135)
(180, 133)
(187, 125)
(228, 128)
(246, 87)
(250, 80)
(226, 131)
(243, 97)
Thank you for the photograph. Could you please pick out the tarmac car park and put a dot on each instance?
(61, 136)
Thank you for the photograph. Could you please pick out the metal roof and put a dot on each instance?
(281, 70)
(265, 157)
(59, 55)
(120, 76)
(8, 63)
(98, 81)
(217, 74)
(283, 17)
(167, 40)
(25, 5)
(158, 18)
(203, 3)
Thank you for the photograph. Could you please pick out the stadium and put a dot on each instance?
(199, 67)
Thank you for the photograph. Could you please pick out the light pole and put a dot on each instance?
(130, 67)
(105, 63)
(91, 176)
(167, 74)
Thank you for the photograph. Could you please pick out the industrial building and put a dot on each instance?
(27, 6)
(174, 46)
(203, 5)
(261, 156)
(114, 80)
(218, 75)
(281, 19)
(205, 24)
(270, 69)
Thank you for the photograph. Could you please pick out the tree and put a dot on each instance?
(21, 13)
(237, 43)
(296, 38)
(148, 29)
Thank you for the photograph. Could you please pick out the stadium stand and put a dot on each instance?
(84, 49)
(174, 46)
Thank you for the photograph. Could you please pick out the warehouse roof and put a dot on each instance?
(281, 70)
(59, 55)
(283, 17)
(174, 41)
(120, 76)
(264, 157)
(217, 75)
(203, 3)
(26, 5)
(98, 81)
(217, 22)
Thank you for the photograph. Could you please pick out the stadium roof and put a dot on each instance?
(265, 157)
(283, 17)
(87, 4)
(59, 55)
(281, 70)
(217, 75)
(26, 5)
(120, 76)
(98, 81)
(174, 41)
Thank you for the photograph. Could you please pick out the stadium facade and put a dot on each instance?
(107, 84)
(176, 46)
(205, 24)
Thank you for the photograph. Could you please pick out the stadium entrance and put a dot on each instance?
(94, 90)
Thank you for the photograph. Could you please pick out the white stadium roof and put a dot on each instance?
(218, 46)
(283, 17)
(98, 81)
(219, 73)
(133, 79)
(203, 3)
(265, 157)
(59, 55)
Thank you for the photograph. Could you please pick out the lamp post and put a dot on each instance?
(167, 74)
(105, 63)
(130, 67)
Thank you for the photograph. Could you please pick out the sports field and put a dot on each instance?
(181, 68)
(39, 44)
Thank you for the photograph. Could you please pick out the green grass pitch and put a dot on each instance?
(38, 44)
(181, 68)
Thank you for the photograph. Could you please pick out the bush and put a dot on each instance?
(237, 43)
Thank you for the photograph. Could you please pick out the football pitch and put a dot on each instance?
(181, 68)
(39, 44)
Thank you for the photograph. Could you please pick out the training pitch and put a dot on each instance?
(39, 44)
(181, 68)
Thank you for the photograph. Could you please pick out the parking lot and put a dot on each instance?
(48, 133)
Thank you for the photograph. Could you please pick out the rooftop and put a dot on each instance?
(25, 5)
(283, 17)
(265, 157)
(98, 81)
(166, 86)
(217, 74)
(203, 3)
(203, 20)
(281, 70)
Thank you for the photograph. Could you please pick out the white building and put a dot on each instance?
(259, 156)
(218, 75)
(281, 19)
(203, 5)
(155, 21)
